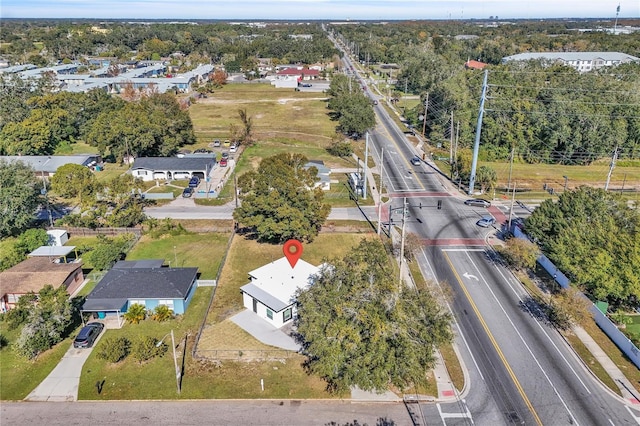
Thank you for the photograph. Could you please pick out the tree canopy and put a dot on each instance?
(18, 197)
(359, 328)
(279, 200)
(594, 238)
(351, 107)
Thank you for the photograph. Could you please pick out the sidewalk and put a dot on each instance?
(626, 387)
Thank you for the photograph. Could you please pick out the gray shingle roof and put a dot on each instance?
(143, 263)
(144, 283)
(173, 163)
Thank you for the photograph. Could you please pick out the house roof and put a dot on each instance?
(33, 274)
(120, 284)
(50, 163)
(173, 163)
(52, 251)
(295, 71)
(275, 283)
(143, 263)
(477, 65)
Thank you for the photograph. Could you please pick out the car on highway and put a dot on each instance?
(416, 161)
(88, 335)
(223, 162)
(306, 85)
(478, 202)
(486, 221)
(187, 192)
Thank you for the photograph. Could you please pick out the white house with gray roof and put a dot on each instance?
(580, 61)
(271, 290)
(172, 168)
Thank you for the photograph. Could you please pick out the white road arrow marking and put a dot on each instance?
(468, 276)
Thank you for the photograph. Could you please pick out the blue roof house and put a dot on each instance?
(145, 282)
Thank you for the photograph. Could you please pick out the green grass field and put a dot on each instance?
(204, 251)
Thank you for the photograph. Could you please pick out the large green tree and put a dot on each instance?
(74, 180)
(594, 238)
(18, 197)
(279, 200)
(360, 328)
(351, 107)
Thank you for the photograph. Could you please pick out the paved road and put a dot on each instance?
(209, 412)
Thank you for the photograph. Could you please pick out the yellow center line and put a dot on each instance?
(494, 343)
(406, 162)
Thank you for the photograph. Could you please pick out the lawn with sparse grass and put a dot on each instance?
(204, 251)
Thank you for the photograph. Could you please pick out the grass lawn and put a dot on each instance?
(110, 171)
(634, 327)
(204, 251)
(75, 148)
(20, 376)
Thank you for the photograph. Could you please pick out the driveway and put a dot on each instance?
(62, 383)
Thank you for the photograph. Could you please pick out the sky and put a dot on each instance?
(318, 9)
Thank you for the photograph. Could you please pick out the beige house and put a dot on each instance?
(33, 274)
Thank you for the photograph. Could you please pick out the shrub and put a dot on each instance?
(146, 348)
(114, 349)
(162, 313)
(135, 313)
(340, 149)
(3, 341)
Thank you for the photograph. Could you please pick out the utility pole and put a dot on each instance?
(380, 191)
(476, 144)
(451, 145)
(513, 198)
(366, 156)
(513, 151)
(404, 214)
(611, 166)
(615, 26)
(424, 120)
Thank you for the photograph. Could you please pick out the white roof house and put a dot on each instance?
(272, 287)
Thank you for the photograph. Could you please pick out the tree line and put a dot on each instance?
(546, 112)
(43, 123)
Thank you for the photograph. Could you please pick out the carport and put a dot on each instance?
(107, 310)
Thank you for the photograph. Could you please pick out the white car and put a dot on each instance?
(233, 149)
(486, 221)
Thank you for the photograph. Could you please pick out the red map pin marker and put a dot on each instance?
(292, 250)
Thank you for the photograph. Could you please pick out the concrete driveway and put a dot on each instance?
(62, 383)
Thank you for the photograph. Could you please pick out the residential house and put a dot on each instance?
(474, 65)
(299, 73)
(33, 274)
(172, 168)
(271, 290)
(580, 61)
(324, 172)
(46, 165)
(145, 282)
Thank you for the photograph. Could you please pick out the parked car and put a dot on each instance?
(225, 155)
(416, 161)
(194, 182)
(486, 221)
(478, 202)
(223, 162)
(227, 142)
(187, 192)
(233, 148)
(216, 143)
(88, 335)
(306, 84)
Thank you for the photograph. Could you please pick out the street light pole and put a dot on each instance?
(566, 179)
(175, 358)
